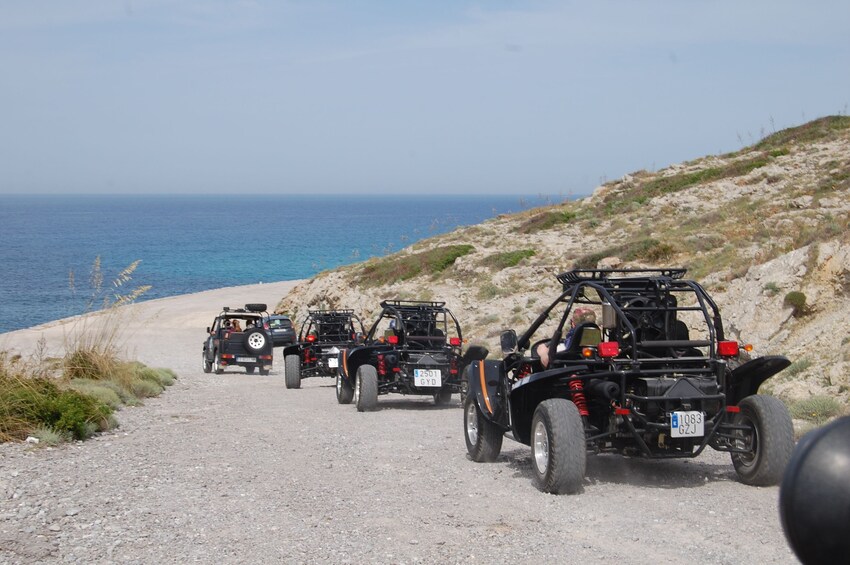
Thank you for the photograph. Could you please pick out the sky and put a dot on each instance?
(401, 97)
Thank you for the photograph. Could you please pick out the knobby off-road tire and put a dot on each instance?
(772, 440)
(366, 388)
(292, 371)
(443, 396)
(558, 450)
(207, 364)
(344, 392)
(483, 437)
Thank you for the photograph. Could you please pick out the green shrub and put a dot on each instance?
(817, 409)
(647, 249)
(545, 220)
(771, 288)
(97, 389)
(145, 388)
(507, 259)
(48, 436)
(384, 271)
(825, 128)
(797, 301)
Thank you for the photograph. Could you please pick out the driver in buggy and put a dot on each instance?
(580, 316)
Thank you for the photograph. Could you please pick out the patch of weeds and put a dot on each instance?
(378, 272)
(817, 409)
(488, 290)
(771, 288)
(647, 249)
(797, 301)
(545, 221)
(825, 129)
(499, 261)
(145, 388)
(797, 367)
(488, 320)
(104, 394)
(49, 437)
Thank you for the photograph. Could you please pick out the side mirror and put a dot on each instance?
(508, 341)
(609, 316)
(208, 329)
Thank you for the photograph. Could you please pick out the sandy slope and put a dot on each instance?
(238, 469)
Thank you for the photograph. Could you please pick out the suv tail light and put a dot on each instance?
(609, 349)
(727, 348)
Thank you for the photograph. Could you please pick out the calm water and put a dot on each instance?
(192, 243)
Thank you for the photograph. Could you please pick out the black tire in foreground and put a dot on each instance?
(207, 364)
(483, 437)
(771, 441)
(344, 392)
(366, 388)
(558, 449)
(216, 366)
(292, 371)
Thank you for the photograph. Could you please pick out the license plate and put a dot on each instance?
(246, 359)
(427, 377)
(333, 362)
(687, 424)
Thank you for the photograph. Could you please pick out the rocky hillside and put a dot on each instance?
(764, 228)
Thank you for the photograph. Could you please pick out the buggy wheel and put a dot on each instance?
(344, 392)
(264, 372)
(255, 340)
(250, 369)
(558, 451)
(483, 437)
(366, 388)
(207, 364)
(443, 396)
(216, 365)
(292, 371)
(770, 440)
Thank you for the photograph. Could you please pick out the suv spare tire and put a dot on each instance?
(256, 307)
(256, 340)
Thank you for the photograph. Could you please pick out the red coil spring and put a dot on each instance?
(579, 400)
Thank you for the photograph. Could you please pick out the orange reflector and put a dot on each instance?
(587, 352)
(609, 349)
(748, 347)
(622, 411)
(733, 409)
(727, 348)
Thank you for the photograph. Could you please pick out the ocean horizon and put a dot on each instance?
(190, 243)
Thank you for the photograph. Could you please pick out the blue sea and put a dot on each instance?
(48, 244)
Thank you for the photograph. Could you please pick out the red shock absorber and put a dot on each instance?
(382, 365)
(577, 390)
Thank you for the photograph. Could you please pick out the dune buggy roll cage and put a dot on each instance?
(416, 315)
(636, 303)
(341, 318)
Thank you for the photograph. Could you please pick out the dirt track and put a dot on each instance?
(238, 469)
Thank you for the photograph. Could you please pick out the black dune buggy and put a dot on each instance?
(316, 353)
(239, 337)
(654, 376)
(413, 347)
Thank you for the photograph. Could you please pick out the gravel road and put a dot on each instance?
(235, 468)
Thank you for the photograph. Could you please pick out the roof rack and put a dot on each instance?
(330, 312)
(412, 304)
(580, 275)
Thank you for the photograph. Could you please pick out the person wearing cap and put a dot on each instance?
(580, 316)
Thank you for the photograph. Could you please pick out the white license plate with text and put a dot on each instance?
(333, 362)
(687, 424)
(246, 359)
(427, 377)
